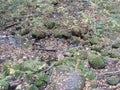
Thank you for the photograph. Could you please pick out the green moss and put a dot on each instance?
(94, 40)
(24, 32)
(38, 34)
(50, 25)
(41, 79)
(94, 84)
(75, 32)
(96, 61)
(83, 55)
(116, 45)
(61, 34)
(97, 48)
(113, 80)
(91, 75)
(105, 53)
(113, 55)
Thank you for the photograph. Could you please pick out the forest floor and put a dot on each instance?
(48, 30)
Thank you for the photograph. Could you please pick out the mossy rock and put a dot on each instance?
(116, 45)
(77, 31)
(83, 55)
(93, 84)
(38, 34)
(113, 80)
(105, 53)
(96, 61)
(24, 32)
(69, 81)
(50, 25)
(61, 34)
(113, 55)
(94, 40)
(97, 48)
(91, 75)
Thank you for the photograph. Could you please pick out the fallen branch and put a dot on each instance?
(49, 67)
(44, 49)
(112, 73)
(6, 27)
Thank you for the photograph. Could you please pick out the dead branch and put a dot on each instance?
(112, 73)
(6, 27)
(49, 67)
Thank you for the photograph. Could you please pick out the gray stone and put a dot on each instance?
(70, 81)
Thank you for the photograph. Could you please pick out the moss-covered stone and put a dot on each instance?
(77, 31)
(96, 61)
(94, 40)
(105, 53)
(38, 34)
(24, 32)
(70, 81)
(61, 34)
(50, 25)
(98, 49)
(93, 84)
(113, 80)
(113, 54)
(91, 75)
(116, 45)
(83, 55)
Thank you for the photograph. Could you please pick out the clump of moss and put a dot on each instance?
(113, 54)
(38, 34)
(94, 84)
(61, 34)
(105, 53)
(83, 55)
(96, 61)
(94, 40)
(116, 45)
(91, 75)
(50, 25)
(77, 31)
(97, 48)
(113, 80)
(24, 32)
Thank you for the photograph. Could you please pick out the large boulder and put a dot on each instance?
(69, 81)
(96, 61)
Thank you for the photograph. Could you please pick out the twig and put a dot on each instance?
(112, 73)
(49, 67)
(10, 26)
(44, 49)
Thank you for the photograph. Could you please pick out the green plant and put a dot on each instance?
(30, 71)
(90, 75)
(102, 18)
